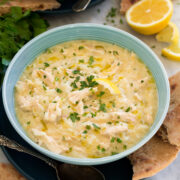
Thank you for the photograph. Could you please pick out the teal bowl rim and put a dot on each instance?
(85, 161)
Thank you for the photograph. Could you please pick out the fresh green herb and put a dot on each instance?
(115, 53)
(112, 139)
(77, 102)
(121, 21)
(109, 123)
(102, 107)
(88, 127)
(74, 54)
(76, 72)
(113, 153)
(85, 132)
(101, 94)
(91, 60)
(74, 116)
(113, 103)
(81, 61)
(48, 51)
(46, 64)
(85, 107)
(81, 47)
(118, 63)
(96, 127)
(17, 28)
(70, 149)
(98, 147)
(112, 21)
(103, 149)
(93, 114)
(124, 146)
(131, 84)
(58, 90)
(128, 109)
(74, 85)
(28, 123)
(54, 101)
(56, 79)
(112, 12)
(119, 140)
(142, 81)
(44, 87)
(44, 76)
(62, 50)
(63, 138)
(90, 81)
(153, 46)
(54, 68)
(84, 114)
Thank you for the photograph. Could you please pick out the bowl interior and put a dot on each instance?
(92, 32)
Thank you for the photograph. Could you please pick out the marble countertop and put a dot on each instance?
(98, 15)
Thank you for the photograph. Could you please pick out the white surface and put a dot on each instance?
(92, 16)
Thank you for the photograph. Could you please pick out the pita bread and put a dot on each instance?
(163, 148)
(152, 158)
(7, 172)
(34, 5)
(125, 5)
(170, 129)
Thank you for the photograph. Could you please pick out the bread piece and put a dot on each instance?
(170, 129)
(34, 5)
(7, 172)
(152, 158)
(125, 5)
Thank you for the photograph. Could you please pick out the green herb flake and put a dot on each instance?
(112, 12)
(56, 78)
(44, 76)
(103, 149)
(58, 90)
(121, 21)
(115, 53)
(98, 147)
(88, 127)
(54, 101)
(101, 94)
(96, 127)
(112, 139)
(142, 81)
(81, 61)
(84, 114)
(44, 87)
(128, 109)
(91, 60)
(119, 140)
(28, 123)
(62, 50)
(81, 47)
(85, 132)
(113, 153)
(74, 54)
(93, 114)
(102, 107)
(85, 107)
(109, 123)
(124, 147)
(74, 116)
(76, 72)
(153, 46)
(46, 64)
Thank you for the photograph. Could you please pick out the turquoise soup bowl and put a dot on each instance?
(91, 32)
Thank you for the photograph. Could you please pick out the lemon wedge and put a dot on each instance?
(169, 34)
(172, 52)
(149, 16)
(109, 85)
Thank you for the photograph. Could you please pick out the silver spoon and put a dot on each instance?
(63, 171)
(80, 5)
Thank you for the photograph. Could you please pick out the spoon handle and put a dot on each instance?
(80, 5)
(4, 141)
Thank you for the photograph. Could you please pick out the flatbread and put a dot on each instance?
(152, 158)
(125, 5)
(8, 172)
(163, 148)
(34, 5)
(170, 129)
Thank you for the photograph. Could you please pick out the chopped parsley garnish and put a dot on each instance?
(76, 72)
(142, 81)
(113, 153)
(98, 147)
(70, 149)
(88, 127)
(28, 123)
(85, 107)
(46, 64)
(153, 46)
(73, 84)
(102, 107)
(121, 21)
(109, 123)
(115, 53)
(48, 51)
(85, 132)
(44, 87)
(84, 114)
(112, 12)
(74, 116)
(101, 94)
(124, 146)
(95, 126)
(113, 103)
(77, 102)
(103, 149)
(81, 47)
(119, 140)
(91, 60)
(58, 90)
(44, 76)
(89, 83)
(62, 50)
(93, 114)
(56, 79)
(131, 84)
(81, 61)
(128, 109)
(112, 139)
(54, 101)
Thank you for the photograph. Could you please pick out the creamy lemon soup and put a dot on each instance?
(86, 99)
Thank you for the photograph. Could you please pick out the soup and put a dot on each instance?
(86, 99)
